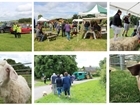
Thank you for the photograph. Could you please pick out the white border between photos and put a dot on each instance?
(73, 52)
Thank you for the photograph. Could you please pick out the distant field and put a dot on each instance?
(10, 43)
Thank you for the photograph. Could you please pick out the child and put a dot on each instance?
(134, 32)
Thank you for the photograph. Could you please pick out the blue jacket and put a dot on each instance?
(66, 82)
(59, 82)
(53, 78)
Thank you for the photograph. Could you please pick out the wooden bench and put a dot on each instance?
(51, 37)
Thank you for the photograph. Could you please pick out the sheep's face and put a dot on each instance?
(6, 73)
(135, 71)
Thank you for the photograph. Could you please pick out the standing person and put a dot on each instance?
(53, 78)
(67, 30)
(59, 85)
(45, 79)
(117, 24)
(66, 84)
(58, 28)
(86, 28)
(15, 29)
(50, 26)
(63, 29)
(18, 31)
(126, 24)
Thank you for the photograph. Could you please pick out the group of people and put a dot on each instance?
(54, 26)
(61, 83)
(116, 24)
(93, 26)
(67, 30)
(16, 30)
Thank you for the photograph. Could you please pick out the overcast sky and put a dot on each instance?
(51, 10)
(15, 10)
(89, 59)
(23, 58)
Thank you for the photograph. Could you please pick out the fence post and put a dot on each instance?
(122, 62)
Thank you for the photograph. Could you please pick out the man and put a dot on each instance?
(15, 29)
(126, 24)
(53, 82)
(18, 31)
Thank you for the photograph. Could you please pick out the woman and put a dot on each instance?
(66, 84)
(117, 24)
(67, 30)
(59, 85)
(126, 24)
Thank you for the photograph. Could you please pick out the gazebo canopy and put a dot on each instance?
(130, 7)
(97, 9)
(42, 19)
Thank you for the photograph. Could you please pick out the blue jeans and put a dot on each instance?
(59, 90)
(68, 35)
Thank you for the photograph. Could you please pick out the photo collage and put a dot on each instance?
(66, 52)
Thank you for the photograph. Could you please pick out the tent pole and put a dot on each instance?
(78, 28)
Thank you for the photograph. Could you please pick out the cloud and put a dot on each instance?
(15, 10)
(89, 59)
(23, 58)
(63, 9)
(25, 7)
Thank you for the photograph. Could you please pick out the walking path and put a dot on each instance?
(38, 91)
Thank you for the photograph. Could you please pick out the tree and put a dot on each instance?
(25, 20)
(103, 71)
(39, 16)
(75, 16)
(18, 66)
(49, 64)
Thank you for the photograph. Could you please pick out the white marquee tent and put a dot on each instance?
(42, 19)
(97, 10)
(129, 7)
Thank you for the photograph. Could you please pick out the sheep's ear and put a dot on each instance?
(134, 69)
(12, 73)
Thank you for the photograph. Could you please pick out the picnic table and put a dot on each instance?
(50, 35)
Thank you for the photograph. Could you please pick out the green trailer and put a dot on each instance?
(80, 75)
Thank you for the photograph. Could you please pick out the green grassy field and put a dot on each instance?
(89, 92)
(123, 87)
(129, 32)
(10, 43)
(75, 44)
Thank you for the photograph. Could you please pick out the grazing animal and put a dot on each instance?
(13, 87)
(44, 93)
(135, 71)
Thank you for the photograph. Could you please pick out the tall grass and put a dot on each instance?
(123, 88)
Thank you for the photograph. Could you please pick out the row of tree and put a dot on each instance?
(18, 66)
(46, 65)
(134, 20)
(25, 20)
(75, 16)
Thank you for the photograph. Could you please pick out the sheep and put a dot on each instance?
(124, 44)
(13, 87)
(135, 71)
